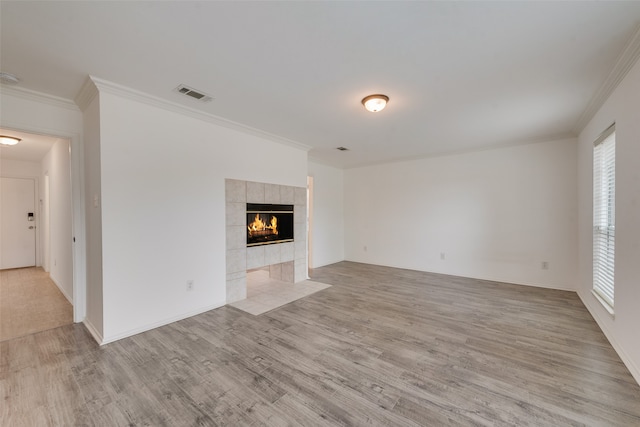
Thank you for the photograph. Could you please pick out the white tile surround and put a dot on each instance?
(264, 293)
(286, 261)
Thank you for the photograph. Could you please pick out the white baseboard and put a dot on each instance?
(66, 295)
(467, 276)
(628, 362)
(93, 331)
(154, 325)
(325, 263)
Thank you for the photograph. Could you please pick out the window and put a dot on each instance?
(604, 216)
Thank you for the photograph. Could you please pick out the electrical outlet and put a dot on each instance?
(189, 285)
(364, 248)
(442, 256)
(545, 265)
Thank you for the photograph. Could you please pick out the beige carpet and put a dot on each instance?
(30, 302)
(265, 294)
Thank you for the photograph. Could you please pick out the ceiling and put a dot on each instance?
(460, 75)
(32, 148)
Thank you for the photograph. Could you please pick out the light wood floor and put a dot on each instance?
(30, 302)
(380, 347)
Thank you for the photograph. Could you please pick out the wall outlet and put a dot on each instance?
(364, 248)
(442, 256)
(189, 285)
(545, 265)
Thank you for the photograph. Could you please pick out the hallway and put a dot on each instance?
(30, 302)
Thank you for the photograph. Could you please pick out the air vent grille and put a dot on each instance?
(191, 92)
(8, 78)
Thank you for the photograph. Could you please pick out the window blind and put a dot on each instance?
(604, 197)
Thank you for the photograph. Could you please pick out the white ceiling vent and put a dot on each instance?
(9, 78)
(195, 94)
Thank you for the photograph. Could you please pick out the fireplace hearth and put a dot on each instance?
(269, 224)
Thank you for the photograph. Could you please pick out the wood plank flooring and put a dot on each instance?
(381, 347)
(30, 302)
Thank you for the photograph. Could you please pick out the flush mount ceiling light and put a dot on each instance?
(9, 140)
(375, 103)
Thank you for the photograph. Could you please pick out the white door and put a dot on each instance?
(17, 227)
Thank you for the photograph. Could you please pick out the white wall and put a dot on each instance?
(56, 166)
(93, 209)
(19, 169)
(31, 112)
(623, 108)
(495, 214)
(327, 245)
(163, 209)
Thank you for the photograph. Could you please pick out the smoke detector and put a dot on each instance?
(193, 93)
(9, 79)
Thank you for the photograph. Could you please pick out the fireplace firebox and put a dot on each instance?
(268, 224)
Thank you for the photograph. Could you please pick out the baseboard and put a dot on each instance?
(628, 362)
(487, 278)
(93, 331)
(323, 264)
(67, 296)
(154, 325)
(535, 285)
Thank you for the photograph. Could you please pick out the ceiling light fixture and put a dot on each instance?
(9, 140)
(375, 103)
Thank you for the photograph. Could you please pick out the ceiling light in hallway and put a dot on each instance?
(9, 140)
(375, 103)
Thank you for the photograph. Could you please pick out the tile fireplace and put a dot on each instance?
(266, 225)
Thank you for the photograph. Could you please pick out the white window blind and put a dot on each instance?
(604, 206)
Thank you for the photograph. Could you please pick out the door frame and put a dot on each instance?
(45, 224)
(309, 221)
(78, 245)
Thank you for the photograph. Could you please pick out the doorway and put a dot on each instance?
(309, 225)
(36, 260)
(17, 223)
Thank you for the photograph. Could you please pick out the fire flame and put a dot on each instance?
(259, 225)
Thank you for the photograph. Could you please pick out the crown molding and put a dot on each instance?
(625, 62)
(562, 137)
(32, 95)
(135, 95)
(87, 93)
